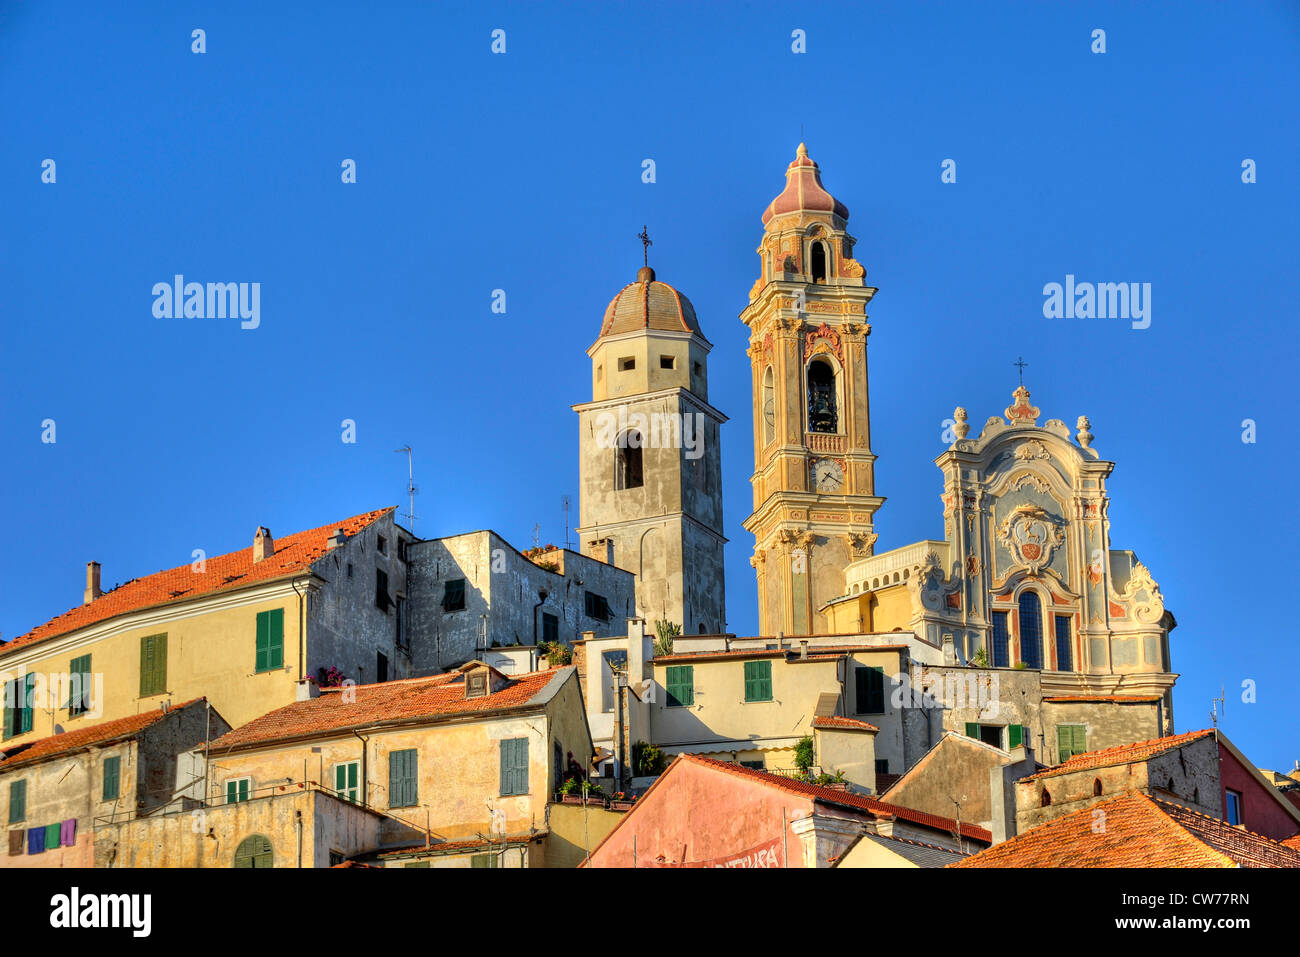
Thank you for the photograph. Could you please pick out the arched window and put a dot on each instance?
(1031, 630)
(253, 851)
(821, 397)
(769, 407)
(627, 461)
(818, 262)
(702, 629)
(1045, 799)
(1096, 787)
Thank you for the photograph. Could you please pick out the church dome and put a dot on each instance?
(649, 304)
(804, 191)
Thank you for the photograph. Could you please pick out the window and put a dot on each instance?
(514, 766)
(1232, 807)
(628, 471)
(758, 681)
(345, 781)
(1096, 787)
(550, 627)
(403, 783)
(476, 684)
(381, 667)
(1071, 739)
(769, 407)
(253, 851)
(818, 262)
(270, 640)
(596, 606)
(112, 778)
(679, 680)
(822, 416)
(667, 362)
(1015, 735)
(1063, 657)
(79, 676)
(483, 860)
(349, 569)
(18, 705)
(627, 364)
(1045, 799)
(383, 545)
(991, 734)
(869, 689)
(759, 765)
(17, 801)
(557, 757)
(882, 765)
(1001, 641)
(337, 858)
(453, 595)
(400, 619)
(401, 550)
(1031, 630)
(237, 790)
(153, 665)
(699, 370)
(381, 590)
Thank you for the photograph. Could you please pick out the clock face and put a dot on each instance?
(827, 476)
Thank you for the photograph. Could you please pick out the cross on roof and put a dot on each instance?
(646, 243)
(1021, 363)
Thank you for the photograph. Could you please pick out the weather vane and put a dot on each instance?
(1021, 363)
(646, 243)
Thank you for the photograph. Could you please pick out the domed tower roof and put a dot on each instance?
(804, 191)
(649, 304)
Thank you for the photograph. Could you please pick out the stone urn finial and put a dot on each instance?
(960, 428)
(1085, 436)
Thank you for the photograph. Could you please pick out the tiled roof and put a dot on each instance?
(96, 734)
(1135, 831)
(1106, 698)
(804, 190)
(836, 723)
(1293, 841)
(409, 699)
(1124, 754)
(825, 795)
(648, 304)
(292, 555)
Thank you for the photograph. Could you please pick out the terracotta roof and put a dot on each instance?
(1116, 698)
(96, 734)
(293, 554)
(1124, 754)
(859, 802)
(409, 699)
(1293, 841)
(804, 190)
(836, 723)
(1136, 831)
(649, 304)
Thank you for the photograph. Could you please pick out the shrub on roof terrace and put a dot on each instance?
(804, 753)
(647, 760)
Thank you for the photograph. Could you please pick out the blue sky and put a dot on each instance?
(522, 172)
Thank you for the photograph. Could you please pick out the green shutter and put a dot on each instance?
(270, 640)
(1063, 742)
(153, 665)
(403, 786)
(26, 724)
(758, 681)
(1014, 735)
(277, 638)
(11, 693)
(112, 775)
(972, 730)
(514, 766)
(1080, 743)
(483, 860)
(17, 801)
(79, 685)
(680, 681)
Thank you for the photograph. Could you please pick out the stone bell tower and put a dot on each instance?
(651, 463)
(814, 483)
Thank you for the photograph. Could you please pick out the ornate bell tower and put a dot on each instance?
(814, 481)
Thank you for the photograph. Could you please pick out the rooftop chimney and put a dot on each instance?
(336, 539)
(803, 648)
(263, 544)
(93, 590)
(307, 689)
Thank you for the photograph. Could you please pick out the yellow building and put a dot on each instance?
(242, 629)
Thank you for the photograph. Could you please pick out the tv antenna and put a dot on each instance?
(567, 543)
(1215, 705)
(411, 487)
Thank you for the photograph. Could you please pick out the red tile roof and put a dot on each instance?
(1293, 841)
(859, 802)
(409, 699)
(1109, 698)
(1135, 831)
(55, 745)
(293, 554)
(836, 723)
(1124, 754)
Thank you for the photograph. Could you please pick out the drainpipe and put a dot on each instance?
(302, 631)
(541, 599)
(364, 782)
(298, 835)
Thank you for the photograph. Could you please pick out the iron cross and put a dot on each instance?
(646, 243)
(1021, 363)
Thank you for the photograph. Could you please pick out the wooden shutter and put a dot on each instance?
(11, 696)
(1079, 744)
(1015, 734)
(871, 680)
(758, 681)
(1063, 741)
(79, 688)
(972, 730)
(402, 783)
(153, 665)
(254, 851)
(514, 766)
(270, 640)
(26, 724)
(263, 643)
(680, 681)
(112, 773)
(17, 801)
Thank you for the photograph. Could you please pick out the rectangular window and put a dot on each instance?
(381, 590)
(18, 706)
(381, 667)
(1063, 643)
(514, 766)
(400, 618)
(383, 545)
(1001, 641)
(403, 782)
(626, 364)
(237, 790)
(153, 665)
(79, 676)
(17, 801)
(550, 628)
(882, 765)
(988, 733)
(1232, 807)
(345, 781)
(679, 680)
(453, 595)
(1071, 739)
(870, 689)
(596, 606)
(112, 778)
(758, 681)
(667, 362)
(270, 640)
(759, 765)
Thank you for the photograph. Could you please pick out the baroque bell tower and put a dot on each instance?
(814, 472)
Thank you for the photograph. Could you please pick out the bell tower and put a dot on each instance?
(814, 481)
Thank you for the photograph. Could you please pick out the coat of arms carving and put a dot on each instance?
(1031, 534)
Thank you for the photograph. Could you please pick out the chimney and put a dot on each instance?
(780, 641)
(263, 544)
(93, 590)
(608, 548)
(949, 650)
(336, 539)
(307, 689)
(803, 648)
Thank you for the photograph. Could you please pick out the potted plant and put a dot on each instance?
(620, 801)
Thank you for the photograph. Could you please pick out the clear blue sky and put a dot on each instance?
(523, 172)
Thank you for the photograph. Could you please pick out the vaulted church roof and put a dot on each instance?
(804, 191)
(649, 304)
